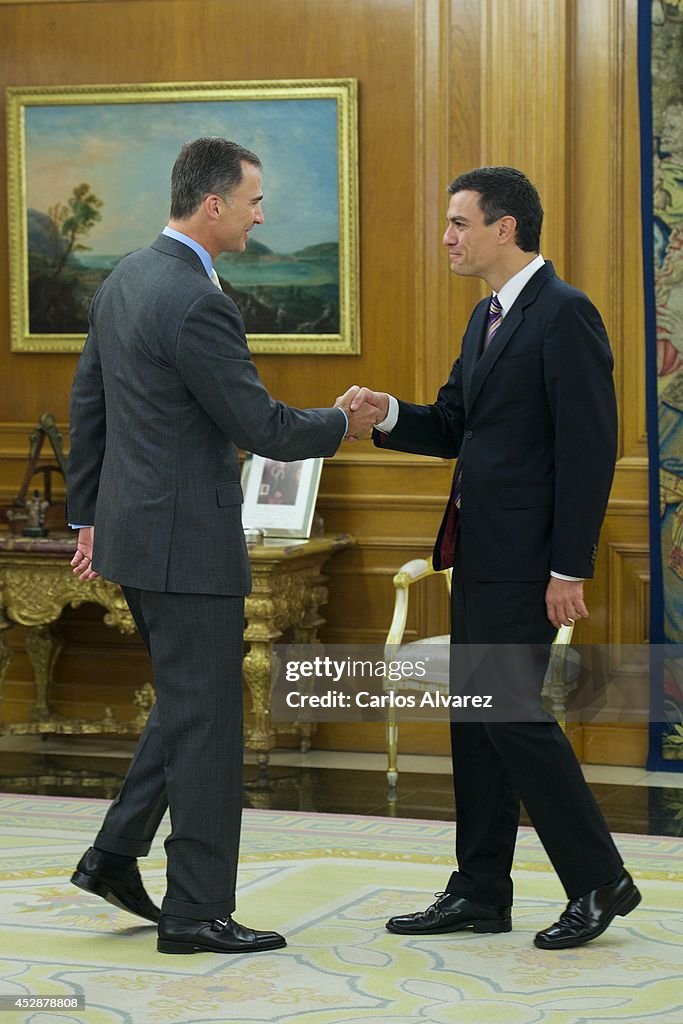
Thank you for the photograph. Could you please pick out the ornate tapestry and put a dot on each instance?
(661, 96)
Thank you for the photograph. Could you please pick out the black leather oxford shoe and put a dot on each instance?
(452, 913)
(588, 916)
(182, 935)
(119, 884)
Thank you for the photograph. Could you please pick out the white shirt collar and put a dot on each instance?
(511, 289)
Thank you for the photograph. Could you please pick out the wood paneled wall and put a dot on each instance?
(444, 85)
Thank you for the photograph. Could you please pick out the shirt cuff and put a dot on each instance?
(572, 579)
(80, 526)
(391, 418)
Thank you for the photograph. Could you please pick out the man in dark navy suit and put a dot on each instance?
(529, 411)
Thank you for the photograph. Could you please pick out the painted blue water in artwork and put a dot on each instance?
(114, 162)
(278, 272)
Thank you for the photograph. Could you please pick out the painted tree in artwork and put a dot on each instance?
(71, 221)
(60, 287)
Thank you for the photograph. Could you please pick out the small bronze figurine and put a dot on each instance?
(36, 507)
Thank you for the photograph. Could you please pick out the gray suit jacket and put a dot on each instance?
(164, 393)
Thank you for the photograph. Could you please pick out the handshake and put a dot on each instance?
(364, 409)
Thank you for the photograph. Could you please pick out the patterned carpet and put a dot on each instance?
(329, 882)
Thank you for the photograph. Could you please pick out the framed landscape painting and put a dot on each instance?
(89, 178)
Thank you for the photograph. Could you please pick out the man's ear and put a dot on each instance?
(507, 229)
(212, 205)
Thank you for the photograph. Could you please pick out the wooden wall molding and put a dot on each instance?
(14, 449)
(24, 3)
(14, 438)
(381, 502)
(629, 592)
(614, 744)
(629, 507)
(365, 454)
(14, 441)
(433, 350)
(523, 114)
(606, 249)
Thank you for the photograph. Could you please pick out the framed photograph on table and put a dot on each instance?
(279, 497)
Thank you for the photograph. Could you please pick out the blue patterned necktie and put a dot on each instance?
(495, 319)
(451, 529)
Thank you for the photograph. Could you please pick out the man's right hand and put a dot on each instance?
(362, 416)
(378, 399)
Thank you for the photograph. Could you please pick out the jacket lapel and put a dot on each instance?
(482, 366)
(471, 346)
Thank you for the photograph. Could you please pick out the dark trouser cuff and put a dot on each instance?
(198, 911)
(598, 883)
(117, 844)
(486, 895)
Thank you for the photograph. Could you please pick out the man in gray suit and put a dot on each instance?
(165, 392)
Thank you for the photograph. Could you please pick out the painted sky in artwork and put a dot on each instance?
(125, 152)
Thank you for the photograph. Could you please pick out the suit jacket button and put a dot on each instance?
(469, 434)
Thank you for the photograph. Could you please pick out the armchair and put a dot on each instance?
(558, 682)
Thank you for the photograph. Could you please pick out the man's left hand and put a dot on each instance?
(82, 561)
(564, 602)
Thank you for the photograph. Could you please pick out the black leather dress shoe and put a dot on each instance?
(452, 913)
(182, 935)
(119, 884)
(588, 916)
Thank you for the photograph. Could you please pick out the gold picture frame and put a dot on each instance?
(88, 181)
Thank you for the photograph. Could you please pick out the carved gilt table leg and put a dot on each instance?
(305, 631)
(276, 603)
(256, 668)
(44, 645)
(5, 650)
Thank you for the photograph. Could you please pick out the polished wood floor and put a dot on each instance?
(643, 809)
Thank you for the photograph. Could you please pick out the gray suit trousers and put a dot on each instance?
(190, 754)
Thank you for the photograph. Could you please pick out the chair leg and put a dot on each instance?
(556, 693)
(392, 750)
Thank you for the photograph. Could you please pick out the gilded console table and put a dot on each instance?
(36, 584)
(288, 593)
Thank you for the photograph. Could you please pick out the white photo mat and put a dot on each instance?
(279, 497)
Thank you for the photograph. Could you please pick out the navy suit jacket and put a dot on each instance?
(533, 421)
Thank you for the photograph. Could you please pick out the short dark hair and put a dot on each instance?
(204, 166)
(505, 191)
